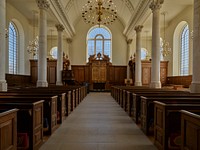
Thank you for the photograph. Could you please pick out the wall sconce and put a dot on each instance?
(6, 33)
(192, 35)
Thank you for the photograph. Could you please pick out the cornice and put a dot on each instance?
(62, 16)
(138, 17)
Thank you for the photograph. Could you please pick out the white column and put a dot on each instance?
(195, 85)
(69, 42)
(3, 84)
(42, 52)
(155, 63)
(60, 29)
(128, 57)
(138, 71)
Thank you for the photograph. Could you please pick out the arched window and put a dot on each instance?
(13, 48)
(143, 53)
(184, 51)
(99, 41)
(53, 52)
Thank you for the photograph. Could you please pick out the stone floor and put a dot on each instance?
(98, 123)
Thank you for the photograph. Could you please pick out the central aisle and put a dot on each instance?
(98, 123)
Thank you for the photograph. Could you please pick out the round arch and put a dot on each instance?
(105, 37)
(21, 43)
(176, 47)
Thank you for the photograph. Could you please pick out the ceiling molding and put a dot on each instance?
(69, 5)
(127, 2)
(138, 17)
(59, 11)
(129, 5)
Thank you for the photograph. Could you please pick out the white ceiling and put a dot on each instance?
(125, 10)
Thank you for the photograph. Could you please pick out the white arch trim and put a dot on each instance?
(97, 26)
(21, 48)
(176, 48)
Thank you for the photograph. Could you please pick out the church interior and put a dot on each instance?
(99, 74)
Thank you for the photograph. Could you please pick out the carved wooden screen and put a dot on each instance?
(99, 71)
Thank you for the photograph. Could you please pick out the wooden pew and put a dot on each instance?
(73, 98)
(115, 89)
(190, 130)
(125, 100)
(135, 103)
(8, 128)
(120, 91)
(74, 93)
(147, 108)
(167, 123)
(29, 121)
(50, 108)
(123, 95)
(61, 101)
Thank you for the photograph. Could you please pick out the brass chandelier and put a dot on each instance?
(34, 44)
(101, 12)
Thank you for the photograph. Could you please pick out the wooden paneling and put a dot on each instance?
(80, 73)
(146, 75)
(87, 74)
(146, 72)
(51, 71)
(18, 80)
(111, 75)
(34, 71)
(163, 72)
(180, 80)
(99, 71)
(51, 75)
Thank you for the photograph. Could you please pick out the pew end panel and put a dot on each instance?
(190, 130)
(167, 124)
(29, 124)
(8, 129)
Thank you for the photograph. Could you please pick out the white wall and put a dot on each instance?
(25, 33)
(52, 41)
(185, 15)
(119, 45)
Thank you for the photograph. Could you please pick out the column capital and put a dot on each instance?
(69, 40)
(60, 27)
(43, 4)
(138, 28)
(156, 4)
(129, 41)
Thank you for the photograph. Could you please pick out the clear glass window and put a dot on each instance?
(13, 48)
